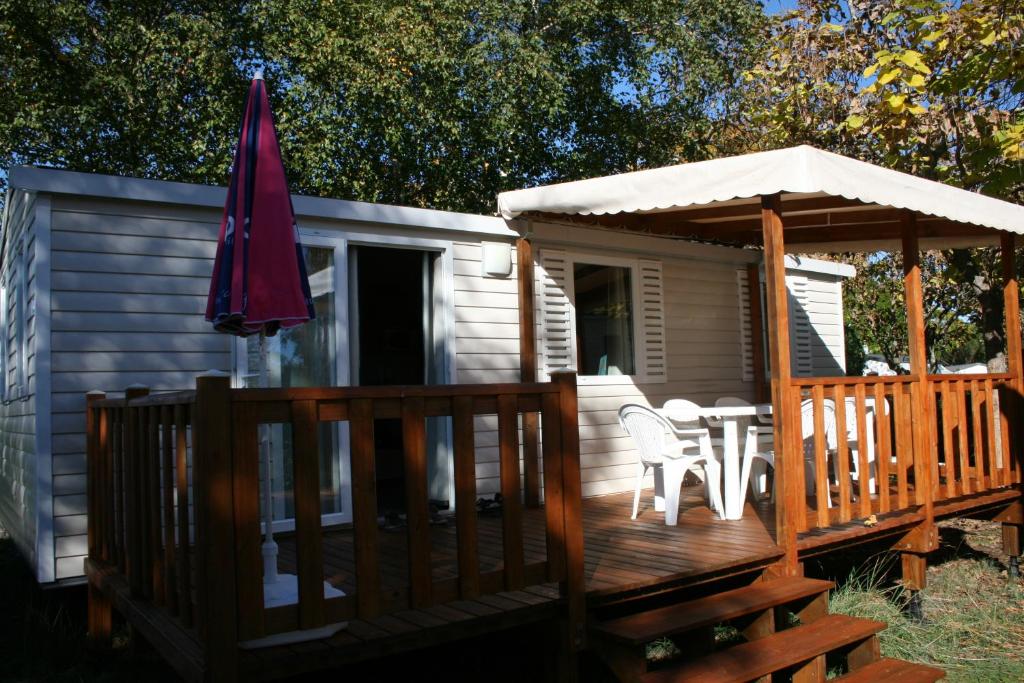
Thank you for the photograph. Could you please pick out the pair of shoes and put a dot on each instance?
(489, 506)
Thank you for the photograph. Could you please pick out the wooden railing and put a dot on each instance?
(878, 458)
(139, 501)
(140, 498)
(973, 434)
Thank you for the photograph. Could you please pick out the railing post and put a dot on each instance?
(924, 538)
(132, 463)
(1014, 359)
(100, 609)
(574, 586)
(214, 522)
(789, 462)
(528, 370)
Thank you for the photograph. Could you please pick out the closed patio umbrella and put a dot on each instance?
(259, 283)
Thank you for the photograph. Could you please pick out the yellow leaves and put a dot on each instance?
(989, 39)
(870, 71)
(888, 76)
(854, 121)
(896, 102)
(913, 59)
(915, 81)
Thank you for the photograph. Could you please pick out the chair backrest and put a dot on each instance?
(647, 429)
(681, 405)
(807, 425)
(729, 402)
(871, 413)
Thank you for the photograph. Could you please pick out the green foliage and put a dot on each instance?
(437, 103)
(875, 311)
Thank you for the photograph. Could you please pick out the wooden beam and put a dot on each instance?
(1014, 361)
(921, 397)
(528, 369)
(788, 459)
(751, 209)
(756, 315)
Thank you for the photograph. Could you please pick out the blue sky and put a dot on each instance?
(774, 6)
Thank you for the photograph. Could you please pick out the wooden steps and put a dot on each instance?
(795, 647)
(893, 670)
(644, 627)
(770, 649)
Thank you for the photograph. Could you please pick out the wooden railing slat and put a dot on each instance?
(996, 476)
(949, 455)
(1005, 417)
(821, 488)
(904, 446)
(864, 483)
(417, 506)
(167, 488)
(961, 428)
(883, 450)
(364, 507)
(797, 491)
(184, 559)
(551, 452)
(153, 500)
(119, 490)
(246, 496)
(464, 452)
(977, 438)
(842, 453)
(511, 502)
(308, 534)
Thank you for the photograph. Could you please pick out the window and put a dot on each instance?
(603, 316)
(604, 319)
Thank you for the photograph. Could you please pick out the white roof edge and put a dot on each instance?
(802, 169)
(59, 181)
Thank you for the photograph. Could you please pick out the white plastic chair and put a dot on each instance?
(871, 415)
(648, 430)
(753, 450)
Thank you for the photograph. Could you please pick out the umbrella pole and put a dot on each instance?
(269, 546)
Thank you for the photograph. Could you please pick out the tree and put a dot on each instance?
(875, 310)
(930, 87)
(438, 103)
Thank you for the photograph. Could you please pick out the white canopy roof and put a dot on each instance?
(800, 170)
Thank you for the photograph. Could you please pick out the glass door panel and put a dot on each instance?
(305, 356)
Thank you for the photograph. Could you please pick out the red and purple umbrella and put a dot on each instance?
(259, 281)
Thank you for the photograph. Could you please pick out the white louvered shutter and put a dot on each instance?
(652, 322)
(554, 328)
(746, 339)
(800, 326)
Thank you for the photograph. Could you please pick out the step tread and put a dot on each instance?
(643, 627)
(886, 669)
(747, 661)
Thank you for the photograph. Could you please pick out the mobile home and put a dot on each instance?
(104, 282)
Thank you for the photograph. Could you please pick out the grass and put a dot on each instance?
(974, 615)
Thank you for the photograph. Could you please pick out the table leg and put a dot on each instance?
(733, 498)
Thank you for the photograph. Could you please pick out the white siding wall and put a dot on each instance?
(486, 344)
(129, 293)
(18, 463)
(824, 306)
(129, 287)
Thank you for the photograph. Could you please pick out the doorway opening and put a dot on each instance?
(396, 339)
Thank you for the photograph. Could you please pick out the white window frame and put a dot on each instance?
(641, 375)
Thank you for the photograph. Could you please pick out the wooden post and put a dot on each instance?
(574, 586)
(924, 538)
(133, 472)
(100, 609)
(215, 531)
(761, 391)
(528, 370)
(1014, 361)
(788, 457)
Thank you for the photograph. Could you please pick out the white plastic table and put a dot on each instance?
(733, 494)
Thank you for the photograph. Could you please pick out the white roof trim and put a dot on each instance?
(803, 169)
(58, 181)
